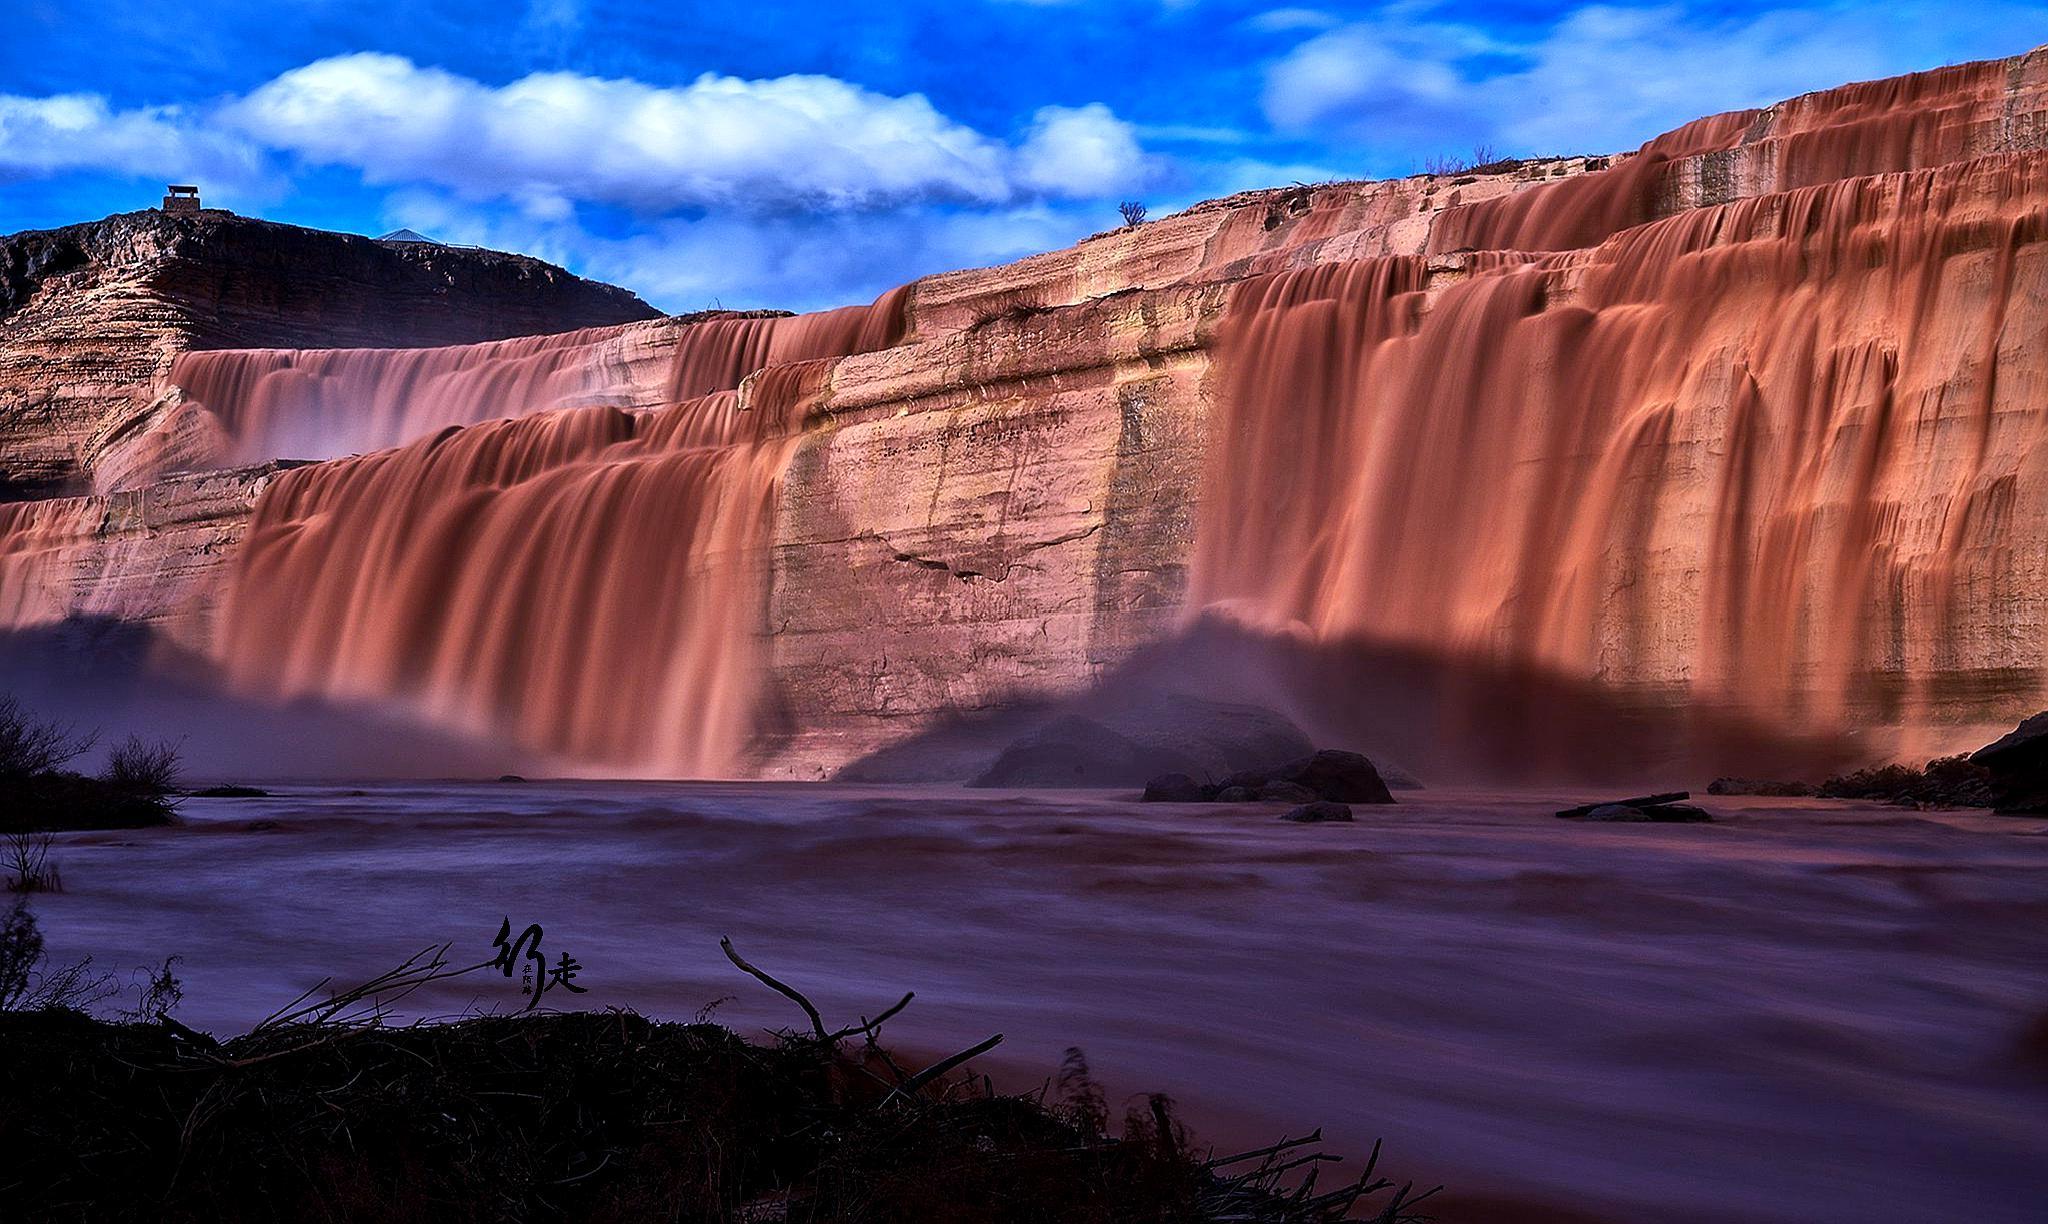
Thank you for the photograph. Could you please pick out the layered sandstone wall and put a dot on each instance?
(1704, 547)
(151, 556)
(1747, 423)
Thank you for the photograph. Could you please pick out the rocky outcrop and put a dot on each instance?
(92, 315)
(2018, 765)
(1599, 462)
(1122, 744)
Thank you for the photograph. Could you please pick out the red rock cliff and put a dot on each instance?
(92, 315)
(1732, 444)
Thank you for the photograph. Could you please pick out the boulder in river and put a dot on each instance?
(1343, 777)
(1663, 808)
(1329, 773)
(1145, 737)
(1175, 788)
(1283, 791)
(1322, 811)
(1070, 750)
(2018, 762)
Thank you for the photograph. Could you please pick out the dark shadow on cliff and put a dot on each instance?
(124, 678)
(1435, 719)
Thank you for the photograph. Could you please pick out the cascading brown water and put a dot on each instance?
(40, 543)
(325, 403)
(1720, 432)
(587, 582)
(1772, 457)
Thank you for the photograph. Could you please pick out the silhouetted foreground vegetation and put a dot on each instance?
(37, 793)
(325, 1113)
(1952, 781)
(1944, 782)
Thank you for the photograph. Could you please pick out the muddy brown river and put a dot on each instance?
(1806, 1011)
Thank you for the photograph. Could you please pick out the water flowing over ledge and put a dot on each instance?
(1778, 452)
(1731, 443)
(588, 582)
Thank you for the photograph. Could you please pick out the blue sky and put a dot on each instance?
(809, 154)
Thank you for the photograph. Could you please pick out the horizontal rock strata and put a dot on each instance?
(1747, 425)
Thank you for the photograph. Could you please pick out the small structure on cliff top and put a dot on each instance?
(181, 198)
(406, 235)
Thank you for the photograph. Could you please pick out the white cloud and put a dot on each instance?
(1359, 71)
(549, 141)
(741, 260)
(799, 191)
(1606, 77)
(794, 142)
(1080, 152)
(1292, 20)
(68, 132)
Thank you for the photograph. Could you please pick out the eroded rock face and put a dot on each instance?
(1743, 430)
(1630, 464)
(92, 315)
(149, 556)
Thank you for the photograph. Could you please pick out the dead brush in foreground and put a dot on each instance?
(324, 1112)
(25, 859)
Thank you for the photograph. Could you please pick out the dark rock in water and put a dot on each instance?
(231, 792)
(1343, 777)
(1617, 813)
(1331, 773)
(1679, 813)
(1319, 812)
(1640, 801)
(2018, 765)
(1174, 788)
(1286, 792)
(1660, 813)
(1760, 786)
(1340, 777)
(1125, 744)
(510, 778)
